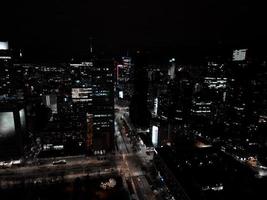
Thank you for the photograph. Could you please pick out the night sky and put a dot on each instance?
(60, 27)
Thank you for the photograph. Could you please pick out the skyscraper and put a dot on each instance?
(93, 100)
(12, 126)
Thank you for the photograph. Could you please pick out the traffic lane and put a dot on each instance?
(120, 140)
(46, 171)
(143, 190)
(48, 167)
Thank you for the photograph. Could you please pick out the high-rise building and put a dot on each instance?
(10, 76)
(5, 72)
(171, 71)
(93, 101)
(12, 126)
(123, 78)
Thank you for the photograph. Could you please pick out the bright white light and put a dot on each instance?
(121, 94)
(22, 118)
(58, 147)
(172, 60)
(3, 45)
(156, 106)
(155, 131)
(5, 57)
(262, 173)
(156, 151)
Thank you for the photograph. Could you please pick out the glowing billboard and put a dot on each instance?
(239, 55)
(3, 45)
(7, 125)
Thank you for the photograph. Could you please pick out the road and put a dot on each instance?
(131, 167)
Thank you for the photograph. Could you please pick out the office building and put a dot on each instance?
(92, 97)
(12, 127)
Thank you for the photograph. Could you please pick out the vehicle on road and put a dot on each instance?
(59, 162)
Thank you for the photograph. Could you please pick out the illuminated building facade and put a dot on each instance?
(12, 127)
(92, 97)
(11, 87)
(123, 78)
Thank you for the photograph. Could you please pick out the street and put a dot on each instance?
(131, 167)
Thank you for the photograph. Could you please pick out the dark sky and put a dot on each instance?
(64, 27)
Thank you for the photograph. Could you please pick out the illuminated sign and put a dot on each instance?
(3, 45)
(155, 131)
(239, 55)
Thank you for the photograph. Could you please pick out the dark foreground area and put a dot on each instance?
(80, 189)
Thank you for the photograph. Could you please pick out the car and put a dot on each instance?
(59, 162)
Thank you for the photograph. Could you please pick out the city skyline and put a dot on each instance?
(132, 100)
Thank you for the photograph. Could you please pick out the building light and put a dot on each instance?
(4, 45)
(121, 94)
(155, 130)
(5, 57)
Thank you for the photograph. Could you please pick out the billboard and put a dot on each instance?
(7, 125)
(155, 131)
(3, 45)
(239, 54)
